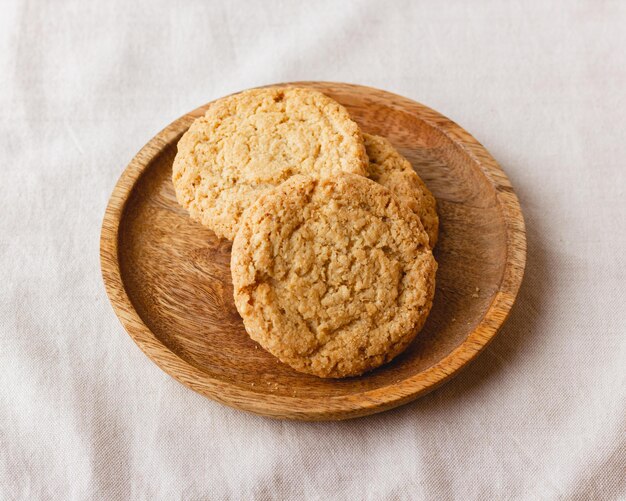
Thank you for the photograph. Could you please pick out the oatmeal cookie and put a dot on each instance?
(334, 276)
(389, 168)
(248, 143)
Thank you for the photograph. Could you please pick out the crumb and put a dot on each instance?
(454, 319)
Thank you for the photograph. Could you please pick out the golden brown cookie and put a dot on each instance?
(250, 142)
(389, 168)
(333, 276)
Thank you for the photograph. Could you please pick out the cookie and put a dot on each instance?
(248, 143)
(389, 168)
(333, 276)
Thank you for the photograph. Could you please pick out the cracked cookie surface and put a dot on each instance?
(250, 142)
(389, 168)
(333, 276)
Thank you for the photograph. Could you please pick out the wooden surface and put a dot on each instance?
(169, 282)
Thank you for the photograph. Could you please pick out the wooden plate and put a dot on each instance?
(168, 278)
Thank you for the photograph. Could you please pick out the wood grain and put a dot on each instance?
(169, 282)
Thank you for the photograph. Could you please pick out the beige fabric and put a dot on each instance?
(85, 415)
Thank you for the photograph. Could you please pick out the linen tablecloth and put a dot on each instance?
(85, 415)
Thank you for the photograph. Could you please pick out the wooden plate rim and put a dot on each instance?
(336, 407)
